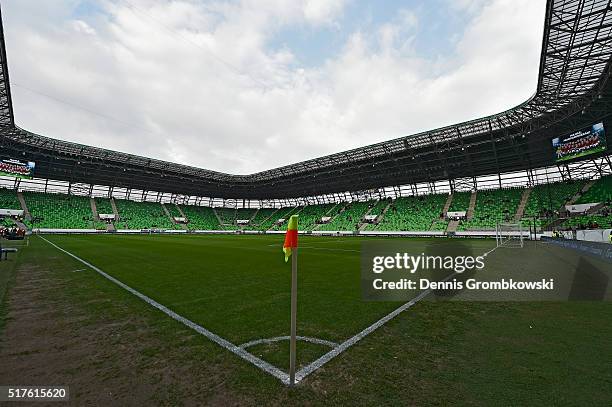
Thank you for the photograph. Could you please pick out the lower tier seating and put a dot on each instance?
(350, 217)
(142, 215)
(600, 191)
(493, 206)
(59, 211)
(200, 217)
(9, 200)
(418, 213)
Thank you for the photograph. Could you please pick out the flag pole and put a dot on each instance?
(292, 343)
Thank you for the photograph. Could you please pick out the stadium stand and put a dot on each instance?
(229, 216)
(460, 202)
(282, 213)
(600, 192)
(7, 222)
(8, 199)
(262, 215)
(59, 211)
(173, 210)
(142, 215)
(379, 207)
(104, 206)
(596, 221)
(545, 201)
(200, 217)
(439, 225)
(310, 215)
(350, 217)
(417, 213)
(493, 206)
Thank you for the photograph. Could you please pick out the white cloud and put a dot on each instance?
(196, 82)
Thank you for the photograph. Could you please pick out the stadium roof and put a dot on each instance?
(574, 90)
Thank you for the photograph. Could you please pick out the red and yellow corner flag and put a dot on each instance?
(291, 238)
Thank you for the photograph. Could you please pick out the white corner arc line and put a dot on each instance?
(237, 350)
(316, 341)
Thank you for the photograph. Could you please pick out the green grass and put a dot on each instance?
(435, 353)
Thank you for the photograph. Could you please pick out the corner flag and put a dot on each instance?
(290, 247)
(291, 238)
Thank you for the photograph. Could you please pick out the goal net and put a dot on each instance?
(509, 235)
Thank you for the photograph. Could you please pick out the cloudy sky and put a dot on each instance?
(242, 86)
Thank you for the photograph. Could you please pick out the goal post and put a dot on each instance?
(509, 235)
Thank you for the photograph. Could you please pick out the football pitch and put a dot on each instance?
(234, 291)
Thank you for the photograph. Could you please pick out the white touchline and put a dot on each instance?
(237, 350)
(240, 350)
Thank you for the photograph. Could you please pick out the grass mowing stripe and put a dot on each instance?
(261, 364)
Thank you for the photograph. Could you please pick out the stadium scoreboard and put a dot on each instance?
(17, 168)
(586, 141)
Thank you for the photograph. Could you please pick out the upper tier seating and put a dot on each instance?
(59, 211)
(142, 215)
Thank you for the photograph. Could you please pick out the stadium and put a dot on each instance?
(132, 280)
